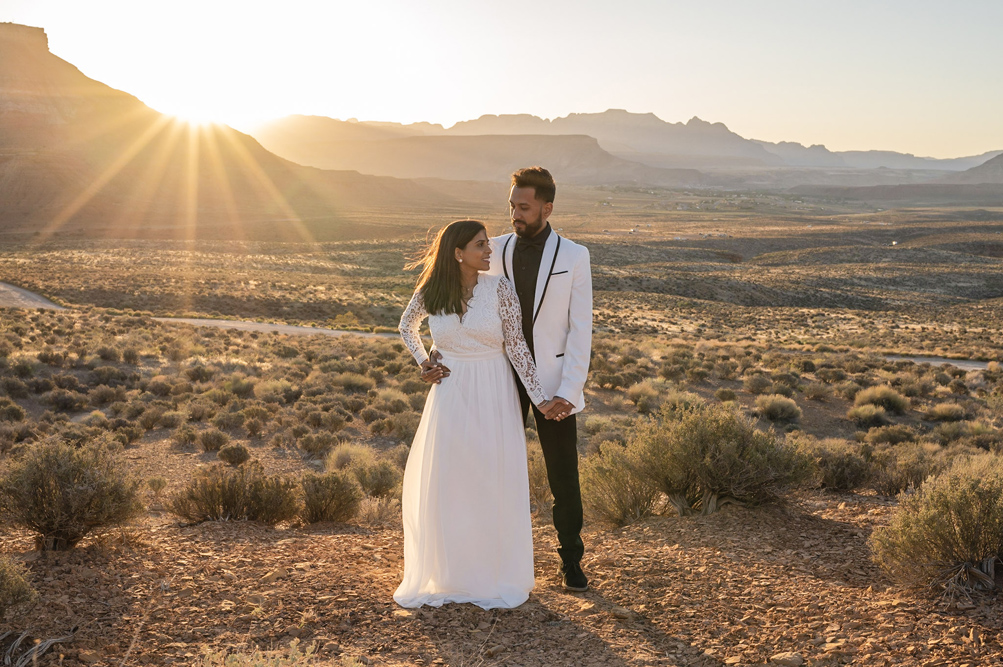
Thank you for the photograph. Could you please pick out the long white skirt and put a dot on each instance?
(467, 529)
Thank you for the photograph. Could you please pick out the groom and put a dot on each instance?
(553, 280)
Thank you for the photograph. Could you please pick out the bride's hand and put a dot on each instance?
(432, 372)
(556, 408)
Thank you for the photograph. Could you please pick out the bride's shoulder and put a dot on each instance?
(490, 281)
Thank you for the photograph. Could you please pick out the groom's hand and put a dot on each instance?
(557, 409)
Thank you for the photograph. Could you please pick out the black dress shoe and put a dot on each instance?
(572, 577)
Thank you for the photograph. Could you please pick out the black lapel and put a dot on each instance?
(504, 251)
(547, 284)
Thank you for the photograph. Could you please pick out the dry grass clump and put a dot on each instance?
(778, 408)
(757, 384)
(221, 493)
(839, 465)
(614, 489)
(897, 468)
(16, 592)
(945, 412)
(62, 493)
(334, 496)
(234, 454)
(212, 440)
(882, 396)
(708, 455)
(867, 415)
(817, 391)
(644, 395)
(950, 532)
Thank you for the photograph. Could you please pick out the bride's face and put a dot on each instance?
(477, 253)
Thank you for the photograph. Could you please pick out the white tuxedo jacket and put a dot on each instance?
(562, 313)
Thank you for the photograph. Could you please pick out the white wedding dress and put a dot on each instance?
(467, 527)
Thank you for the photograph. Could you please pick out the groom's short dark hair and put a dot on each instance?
(538, 178)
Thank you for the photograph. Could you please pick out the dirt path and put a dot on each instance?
(16, 297)
(267, 327)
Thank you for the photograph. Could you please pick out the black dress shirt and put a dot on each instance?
(526, 258)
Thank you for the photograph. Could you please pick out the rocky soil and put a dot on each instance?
(787, 585)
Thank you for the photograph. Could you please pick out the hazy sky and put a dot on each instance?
(907, 75)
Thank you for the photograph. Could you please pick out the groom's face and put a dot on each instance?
(529, 214)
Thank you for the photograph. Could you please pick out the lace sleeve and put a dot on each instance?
(515, 342)
(410, 324)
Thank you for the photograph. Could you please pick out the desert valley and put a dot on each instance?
(796, 373)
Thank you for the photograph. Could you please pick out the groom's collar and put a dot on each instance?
(537, 241)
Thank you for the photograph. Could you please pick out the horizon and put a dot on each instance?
(848, 79)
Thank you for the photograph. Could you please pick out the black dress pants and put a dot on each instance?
(559, 441)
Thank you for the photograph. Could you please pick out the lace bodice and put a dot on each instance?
(493, 322)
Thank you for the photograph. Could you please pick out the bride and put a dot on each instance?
(467, 530)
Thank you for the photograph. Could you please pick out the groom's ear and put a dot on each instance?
(548, 208)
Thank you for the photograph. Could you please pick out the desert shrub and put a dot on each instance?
(400, 426)
(65, 401)
(185, 436)
(757, 384)
(412, 386)
(672, 372)
(709, 454)
(16, 593)
(950, 531)
(108, 353)
(644, 395)
(23, 368)
(219, 493)
(867, 415)
(212, 439)
(199, 373)
(697, 374)
(346, 454)
(377, 512)
(317, 444)
(240, 386)
(130, 355)
(10, 411)
(353, 383)
(540, 495)
(218, 396)
(233, 454)
(839, 465)
(371, 414)
(254, 427)
(883, 396)
(199, 411)
(50, 357)
(889, 435)
(897, 468)
(228, 421)
(334, 496)
(676, 402)
(333, 421)
(156, 485)
(816, 391)
(62, 493)
(391, 401)
(848, 390)
(778, 408)
(171, 418)
(724, 394)
(830, 375)
(377, 477)
(291, 657)
(272, 499)
(102, 395)
(614, 490)
(945, 412)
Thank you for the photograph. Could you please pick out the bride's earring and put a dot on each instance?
(460, 260)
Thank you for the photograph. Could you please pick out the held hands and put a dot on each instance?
(556, 408)
(432, 371)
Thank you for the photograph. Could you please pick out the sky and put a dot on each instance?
(912, 76)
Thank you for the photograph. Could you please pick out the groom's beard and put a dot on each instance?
(530, 227)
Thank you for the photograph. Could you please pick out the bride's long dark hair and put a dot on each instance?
(439, 281)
